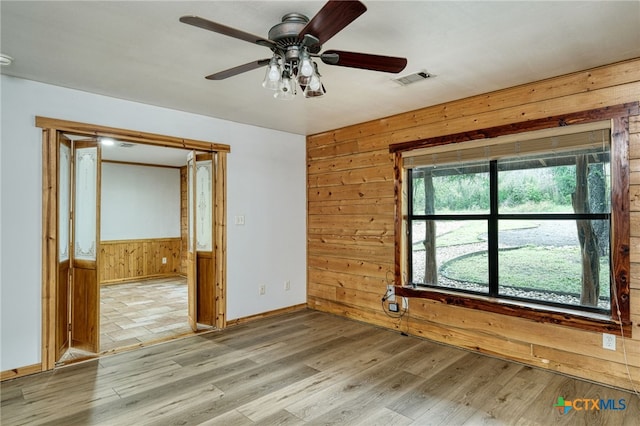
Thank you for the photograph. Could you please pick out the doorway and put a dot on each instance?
(71, 284)
(135, 313)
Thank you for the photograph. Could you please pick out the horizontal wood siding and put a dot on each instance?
(126, 260)
(350, 238)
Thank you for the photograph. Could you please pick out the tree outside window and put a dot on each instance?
(532, 227)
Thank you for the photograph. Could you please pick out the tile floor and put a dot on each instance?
(139, 312)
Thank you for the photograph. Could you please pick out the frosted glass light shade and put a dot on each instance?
(315, 88)
(306, 67)
(286, 90)
(272, 76)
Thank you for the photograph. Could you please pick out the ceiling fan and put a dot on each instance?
(295, 42)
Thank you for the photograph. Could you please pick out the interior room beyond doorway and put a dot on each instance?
(140, 312)
(137, 313)
(94, 240)
(142, 252)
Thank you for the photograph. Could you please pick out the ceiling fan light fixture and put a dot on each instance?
(287, 87)
(303, 81)
(314, 88)
(273, 74)
(306, 67)
(297, 39)
(314, 93)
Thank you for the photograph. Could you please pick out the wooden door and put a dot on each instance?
(85, 219)
(64, 239)
(205, 257)
(191, 243)
(200, 255)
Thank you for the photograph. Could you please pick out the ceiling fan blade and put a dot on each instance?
(238, 70)
(333, 17)
(196, 21)
(364, 61)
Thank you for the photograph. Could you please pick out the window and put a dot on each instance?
(528, 219)
(533, 227)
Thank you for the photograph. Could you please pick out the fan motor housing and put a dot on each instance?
(290, 27)
(285, 34)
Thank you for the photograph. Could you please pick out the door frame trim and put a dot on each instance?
(50, 129)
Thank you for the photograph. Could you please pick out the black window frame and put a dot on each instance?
(493, 218)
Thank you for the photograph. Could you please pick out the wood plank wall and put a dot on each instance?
(126, 260)
(350, 239)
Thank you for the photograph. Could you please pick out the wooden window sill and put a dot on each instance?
(560, 316)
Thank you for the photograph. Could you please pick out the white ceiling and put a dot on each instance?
(128, 152)
(145, 154)
(140, 51)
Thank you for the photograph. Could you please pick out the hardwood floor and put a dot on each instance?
(305, 367)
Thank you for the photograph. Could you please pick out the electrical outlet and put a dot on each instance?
(164, 260)
(239, 220)
(609, 341)
(391, 293)
(287, 285)
(263, 289)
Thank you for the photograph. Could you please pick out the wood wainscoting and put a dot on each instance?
(126, 260)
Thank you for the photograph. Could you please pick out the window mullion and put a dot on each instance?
(493, 229)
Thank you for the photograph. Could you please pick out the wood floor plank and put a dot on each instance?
(150, 354)
(447, 386)
(389, 388)
(107, 382)
(339, 371)
(149, 398)
(273, 333)
(228, 418)
(471, 396)
(337, 393)
(281, 418)
(214, 370)
(179, 402)
(298, 342)
(211, 351)
(304, 367)
(431, 358)
(243, 392)
(382, 416)
(507, 402)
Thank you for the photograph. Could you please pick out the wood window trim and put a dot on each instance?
(619, 115)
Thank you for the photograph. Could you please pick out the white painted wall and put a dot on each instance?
(139, 202)
(266, 184)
